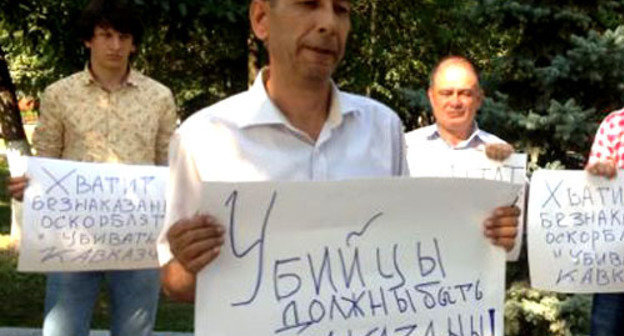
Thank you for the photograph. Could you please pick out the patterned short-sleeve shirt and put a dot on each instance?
(82, 121)
(608, 141)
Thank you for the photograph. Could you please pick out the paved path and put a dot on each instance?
(4, 331)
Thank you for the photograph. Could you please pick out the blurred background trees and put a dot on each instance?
(551, 70)
(196, 47)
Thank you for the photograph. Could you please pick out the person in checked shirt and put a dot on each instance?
(605, 158)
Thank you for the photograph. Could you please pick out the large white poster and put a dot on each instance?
(475, 164)
(82, 216)
(576, 232)
(365, 257)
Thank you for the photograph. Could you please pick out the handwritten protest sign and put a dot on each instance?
(82, 216)
(365, 257)
(475, 164)
(576, 232)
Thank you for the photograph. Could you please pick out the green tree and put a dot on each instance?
(560, 74)
(198, 48)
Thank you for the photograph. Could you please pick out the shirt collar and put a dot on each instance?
(262, 110)
(476, 138)
(132, 79)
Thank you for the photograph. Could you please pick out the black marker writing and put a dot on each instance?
(259, 243)
(57, 182)
(552, 194)
(361, 232)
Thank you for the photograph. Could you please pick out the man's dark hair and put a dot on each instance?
(117, 14)
(272, 2)
(453, 59)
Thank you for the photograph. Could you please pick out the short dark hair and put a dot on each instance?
(453, 59)
(117, 14)
(271, 2)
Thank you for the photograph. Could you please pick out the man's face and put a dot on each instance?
(307, 37)
(110, 49)
(455, 97)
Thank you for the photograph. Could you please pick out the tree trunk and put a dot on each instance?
(13, 133)
(10, 118)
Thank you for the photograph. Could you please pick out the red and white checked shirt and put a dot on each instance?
(609, 141)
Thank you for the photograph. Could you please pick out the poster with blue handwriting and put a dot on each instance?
(80, 216)
(576, 232)
(402, 256)
(475, 164)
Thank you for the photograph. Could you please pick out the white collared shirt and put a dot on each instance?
(426, 145)
(247, 138)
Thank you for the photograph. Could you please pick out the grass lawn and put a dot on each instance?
(22, 301)
(22, 294)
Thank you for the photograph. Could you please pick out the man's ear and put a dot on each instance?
(259, 18)
(430, 95)
(87, 44)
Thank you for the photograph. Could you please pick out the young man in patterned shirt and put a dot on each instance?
(106, 113)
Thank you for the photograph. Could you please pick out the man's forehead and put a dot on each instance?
(456, 73)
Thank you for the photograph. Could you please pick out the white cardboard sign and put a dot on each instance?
(576, 232)
(82, 216)
(371, 257)
(475, 164)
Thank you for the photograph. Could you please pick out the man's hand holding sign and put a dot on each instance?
(606, 169)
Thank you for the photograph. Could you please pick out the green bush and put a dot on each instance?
(531, 312)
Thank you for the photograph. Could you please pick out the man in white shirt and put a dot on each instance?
(293, 124)
(455, 97)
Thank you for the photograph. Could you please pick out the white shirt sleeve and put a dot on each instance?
(183, 192)
(404, 166)
(399, 149)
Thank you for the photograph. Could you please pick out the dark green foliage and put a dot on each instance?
(529, 312)
(560, 75)
(22, 294)
(198, 48)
